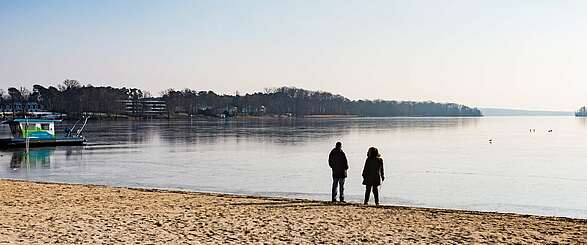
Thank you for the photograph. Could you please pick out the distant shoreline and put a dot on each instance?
(246, 117)
(74, 99)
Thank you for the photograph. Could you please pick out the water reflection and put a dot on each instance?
(277, 131)
(42, 158)
(35, 158)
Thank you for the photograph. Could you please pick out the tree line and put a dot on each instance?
(73, 98)
(301, 102)
(70, 97)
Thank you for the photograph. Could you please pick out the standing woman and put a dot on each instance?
(373, 174)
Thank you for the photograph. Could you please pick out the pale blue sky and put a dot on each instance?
(520, 54)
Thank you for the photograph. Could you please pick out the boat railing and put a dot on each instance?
(79, 132)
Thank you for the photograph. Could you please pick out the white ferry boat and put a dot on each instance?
(582, 112)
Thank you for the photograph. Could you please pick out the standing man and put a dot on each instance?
(338, 163)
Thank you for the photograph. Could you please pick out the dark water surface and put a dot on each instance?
(429, 162)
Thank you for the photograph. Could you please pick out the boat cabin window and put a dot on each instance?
(29, 127)
(45, 126)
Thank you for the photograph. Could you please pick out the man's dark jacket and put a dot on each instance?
(338, 163)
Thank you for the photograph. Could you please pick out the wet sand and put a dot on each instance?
(63, 213)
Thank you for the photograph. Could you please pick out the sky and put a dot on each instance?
(527, 54)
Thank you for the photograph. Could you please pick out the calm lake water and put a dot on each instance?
(429, 162)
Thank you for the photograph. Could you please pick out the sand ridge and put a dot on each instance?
(66, 213)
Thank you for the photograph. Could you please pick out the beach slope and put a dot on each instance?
(51, 213)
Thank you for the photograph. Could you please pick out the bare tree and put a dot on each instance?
(69, 84)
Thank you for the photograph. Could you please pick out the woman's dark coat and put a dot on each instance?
(373, 171)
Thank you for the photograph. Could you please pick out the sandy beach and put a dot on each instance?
(64, 213)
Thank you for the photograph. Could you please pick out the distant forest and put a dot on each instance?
(73, 98)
